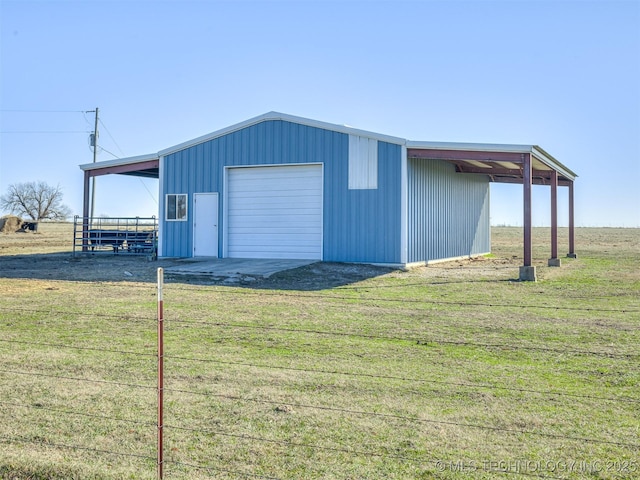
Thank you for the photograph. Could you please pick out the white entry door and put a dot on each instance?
(205, 225)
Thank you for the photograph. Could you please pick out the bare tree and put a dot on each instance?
(37, 200)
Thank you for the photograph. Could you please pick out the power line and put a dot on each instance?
(44, 131)
(104, 149)
(41, 111)
(112, 139)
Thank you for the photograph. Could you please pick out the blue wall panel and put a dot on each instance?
(448, 212)
(364, 225)
(358, 225)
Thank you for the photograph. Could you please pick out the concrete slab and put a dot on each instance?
(234, 267)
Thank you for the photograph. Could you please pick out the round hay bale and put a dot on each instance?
(10, 224)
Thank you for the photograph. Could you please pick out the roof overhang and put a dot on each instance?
(140, 166)
(501, 163)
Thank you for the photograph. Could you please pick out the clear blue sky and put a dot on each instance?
(564, 75)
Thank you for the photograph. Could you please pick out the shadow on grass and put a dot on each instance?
(63, 266)
(81, 268)
(108, 267)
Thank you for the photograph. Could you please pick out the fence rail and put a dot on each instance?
(115, 235)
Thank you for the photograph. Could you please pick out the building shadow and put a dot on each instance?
(64, 266)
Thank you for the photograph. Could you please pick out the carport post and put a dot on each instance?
(572, 251)
(85, 213)
(527, 272)
(554, 261)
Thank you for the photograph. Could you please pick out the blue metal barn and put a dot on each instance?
(280, 186)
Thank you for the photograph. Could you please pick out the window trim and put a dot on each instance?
(183, 218)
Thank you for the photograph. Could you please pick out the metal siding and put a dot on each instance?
(358, 226)
(364, 225)
(448, 212)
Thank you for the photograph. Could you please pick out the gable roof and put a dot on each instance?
(482, 158)
(270, 116)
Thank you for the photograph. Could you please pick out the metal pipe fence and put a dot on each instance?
(115, 235)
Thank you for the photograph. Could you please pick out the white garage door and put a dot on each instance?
(275, 212)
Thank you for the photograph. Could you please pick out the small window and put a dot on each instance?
(177, 207)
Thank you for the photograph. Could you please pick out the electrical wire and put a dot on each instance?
(41, 111)
(111, 137)
(43, 131)
(105, 150)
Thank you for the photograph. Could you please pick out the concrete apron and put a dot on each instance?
(235, 267)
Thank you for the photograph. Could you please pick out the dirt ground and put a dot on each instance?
(47, 255)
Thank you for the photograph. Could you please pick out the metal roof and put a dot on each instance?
(270, 116)
(140, 166)
(502, 162)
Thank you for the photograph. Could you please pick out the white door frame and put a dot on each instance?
(214, 248)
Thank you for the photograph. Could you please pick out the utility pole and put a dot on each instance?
(95, 155)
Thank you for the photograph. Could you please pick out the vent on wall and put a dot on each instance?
(363, 163)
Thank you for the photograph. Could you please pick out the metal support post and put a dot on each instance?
(572, 245)
(527, 272)
(554, 261)
(160, 462)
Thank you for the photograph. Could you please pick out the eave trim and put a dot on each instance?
(119, 162)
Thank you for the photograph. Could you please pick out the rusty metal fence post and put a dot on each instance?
(160, 374)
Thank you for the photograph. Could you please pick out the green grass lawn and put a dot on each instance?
(431, 373)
